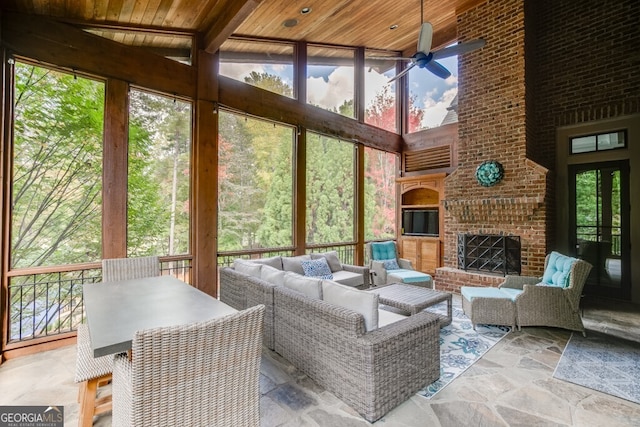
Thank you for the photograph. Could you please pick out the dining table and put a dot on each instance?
(116, 310)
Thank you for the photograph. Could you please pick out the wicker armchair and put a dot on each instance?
(94, 372)
(404, 274)
(202, 374)
(549, 305)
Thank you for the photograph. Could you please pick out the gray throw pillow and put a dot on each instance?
(294, 263)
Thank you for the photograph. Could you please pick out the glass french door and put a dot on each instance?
(599, 229)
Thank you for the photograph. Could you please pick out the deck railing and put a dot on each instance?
(346, 253)
(47, 301)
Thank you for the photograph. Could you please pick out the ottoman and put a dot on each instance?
(410, 277)
(490, 306)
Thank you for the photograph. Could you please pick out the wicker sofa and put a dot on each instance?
(372, 371)
(241, 291)
(372, 361)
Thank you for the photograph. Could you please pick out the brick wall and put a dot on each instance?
(581, 63)
(492, 126)
(584, 63)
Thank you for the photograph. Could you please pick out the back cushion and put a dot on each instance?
(383, 250)
(274, 261)
(294, 263)
(247, 267)
(272, 275)
(558, 269)
(365, 303)
(305, 285)
(332, 260)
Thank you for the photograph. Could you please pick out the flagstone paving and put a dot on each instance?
(511, 385)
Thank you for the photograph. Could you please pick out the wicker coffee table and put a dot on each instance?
(413, 299)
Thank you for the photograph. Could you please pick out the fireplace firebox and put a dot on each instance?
(489, 253)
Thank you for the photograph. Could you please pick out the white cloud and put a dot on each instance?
(332, 93)
(375, 83)
(239, 71)
(435, 107)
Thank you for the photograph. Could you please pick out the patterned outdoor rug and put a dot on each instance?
(602, 362)
(460, 345)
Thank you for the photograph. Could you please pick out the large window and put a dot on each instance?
(380, 95)
(159, 172)
(330, 190)
(380, 194)
(432, 101)
(255, 175)
(267, 65)
(57, 168)
(331, 78)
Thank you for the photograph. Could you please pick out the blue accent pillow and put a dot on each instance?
(381, 251)
(317, 268)
(558, 270)
(390, 264)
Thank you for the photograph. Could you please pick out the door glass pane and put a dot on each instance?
(599, 224)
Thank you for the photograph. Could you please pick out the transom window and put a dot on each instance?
(599, 142)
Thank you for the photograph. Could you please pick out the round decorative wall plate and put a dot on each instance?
(489, 173)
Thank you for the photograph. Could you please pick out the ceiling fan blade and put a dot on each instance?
(458, 49)
(437, 69)
(424, 40)
(402, 73)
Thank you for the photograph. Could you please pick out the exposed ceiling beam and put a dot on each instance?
(230, 17)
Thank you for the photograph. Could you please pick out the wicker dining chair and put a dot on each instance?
(95, 372)
(200, 374)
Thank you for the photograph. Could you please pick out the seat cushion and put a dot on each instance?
(558, 270)
(383, 250)
(272, 275)
(386, 317)
(348, 278)
(408, 276)
(471, 292)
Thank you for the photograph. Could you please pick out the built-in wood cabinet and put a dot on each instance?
(423, 192)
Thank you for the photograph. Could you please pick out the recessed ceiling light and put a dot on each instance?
(305, 10)
(394, 26)
(290, 23)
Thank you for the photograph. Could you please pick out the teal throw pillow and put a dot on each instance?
(317, 268)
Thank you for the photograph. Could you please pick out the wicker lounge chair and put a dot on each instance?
(550, 305)
(202, 374)
(94, 372)
(552, 300)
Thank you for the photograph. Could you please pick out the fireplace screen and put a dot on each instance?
(489, 253)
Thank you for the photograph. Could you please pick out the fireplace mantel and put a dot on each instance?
(495, 209)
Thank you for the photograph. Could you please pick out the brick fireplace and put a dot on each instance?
(493, 126)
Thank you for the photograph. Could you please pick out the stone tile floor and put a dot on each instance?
(511, 385)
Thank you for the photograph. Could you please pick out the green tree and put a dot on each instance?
(57, 168)
(330, 190)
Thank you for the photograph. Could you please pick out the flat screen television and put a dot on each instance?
(420, 222)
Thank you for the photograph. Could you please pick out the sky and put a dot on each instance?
(329, 86)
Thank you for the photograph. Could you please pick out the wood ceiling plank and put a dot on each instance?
(113, 10)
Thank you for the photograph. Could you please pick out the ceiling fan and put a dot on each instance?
(426, 58)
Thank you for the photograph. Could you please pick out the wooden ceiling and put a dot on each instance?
(168, 24)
